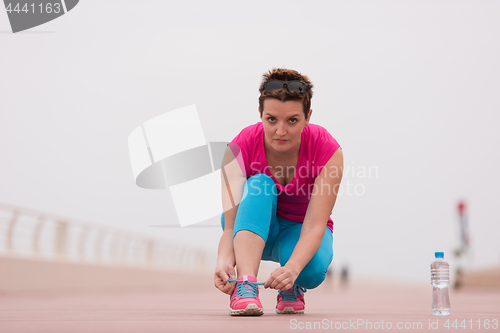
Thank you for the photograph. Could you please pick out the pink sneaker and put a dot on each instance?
(291, 301)
(245, 299)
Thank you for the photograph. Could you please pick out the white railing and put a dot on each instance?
(31, 234)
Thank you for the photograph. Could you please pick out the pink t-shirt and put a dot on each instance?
(316, 148)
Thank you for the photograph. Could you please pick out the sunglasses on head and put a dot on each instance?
(292, 86)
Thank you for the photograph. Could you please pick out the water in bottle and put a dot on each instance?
(440, 280)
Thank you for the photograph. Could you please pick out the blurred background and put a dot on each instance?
(408, 88)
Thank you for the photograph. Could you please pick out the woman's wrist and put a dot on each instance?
(226, 250)
(293, 267)
(226, 261)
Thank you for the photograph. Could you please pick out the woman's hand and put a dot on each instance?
(224, 272)
(282, 279)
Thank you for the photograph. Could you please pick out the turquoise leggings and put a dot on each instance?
(257, 213)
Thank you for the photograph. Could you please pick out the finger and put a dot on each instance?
(225, 287)
(269, 282)
(283, 283)
(223, 276)
(289, 285)
(229, 275)
(229, 289)
(217, 280)
(232, 276)
(220, 286)
(286, 285)
(272, 278)
(278, 280)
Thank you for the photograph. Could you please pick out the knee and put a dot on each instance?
(261, 176)
(313, 274)
(261, 183)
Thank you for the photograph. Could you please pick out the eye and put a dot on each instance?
(293, 120)
(271, 119)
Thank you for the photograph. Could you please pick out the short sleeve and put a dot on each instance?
(326, 146)
(243, 146)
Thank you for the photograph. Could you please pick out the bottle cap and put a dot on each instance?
(439, 255)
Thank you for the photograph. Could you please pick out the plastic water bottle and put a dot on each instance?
(440, 280)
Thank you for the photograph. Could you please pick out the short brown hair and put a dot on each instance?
(283, 94)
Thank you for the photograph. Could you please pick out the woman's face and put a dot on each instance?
(283, 124)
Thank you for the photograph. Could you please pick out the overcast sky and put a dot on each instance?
(408, 88)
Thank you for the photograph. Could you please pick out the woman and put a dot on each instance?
(280, 179)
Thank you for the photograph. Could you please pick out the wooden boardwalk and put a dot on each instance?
(196, 306)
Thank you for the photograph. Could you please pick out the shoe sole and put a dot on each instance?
(288, 310)
(250, 310)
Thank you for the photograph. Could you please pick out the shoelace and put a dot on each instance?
(250, 291)
(292, 294)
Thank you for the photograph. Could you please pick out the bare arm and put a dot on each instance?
(232, 182)
(313, 229)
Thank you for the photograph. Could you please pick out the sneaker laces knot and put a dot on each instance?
(292, 294)
(246, 288)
